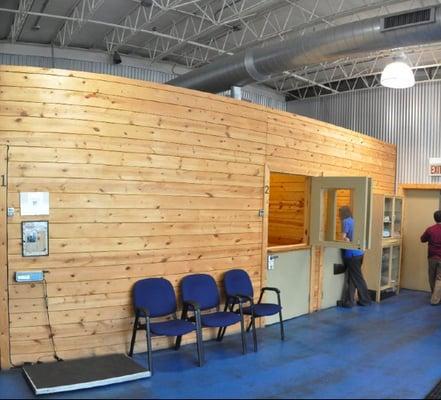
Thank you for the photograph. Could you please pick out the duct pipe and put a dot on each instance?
(259, 63)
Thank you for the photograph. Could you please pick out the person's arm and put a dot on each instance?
(425, 236)
(345, 229)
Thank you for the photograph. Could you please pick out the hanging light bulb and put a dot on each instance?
(397, 75)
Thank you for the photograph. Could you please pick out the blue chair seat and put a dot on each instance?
(263, 309)
(174, 327)
(220, 319)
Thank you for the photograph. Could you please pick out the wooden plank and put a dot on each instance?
(169, 130)
(109, 215)
(120, 96)
(97, 230)
(180, 147)
(118, 116)
(77, 185)
(144, 174)
(98, 157)
(170, 93)
(4, 290)
(128, 270)
(86, 200)
(60, 246)
(98, 259)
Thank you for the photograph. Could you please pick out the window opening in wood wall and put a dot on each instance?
(288, 209)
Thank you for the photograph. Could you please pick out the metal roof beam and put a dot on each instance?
(83, 11)
(142, 18)
(109, 25)
(20, 18)
(213, 18)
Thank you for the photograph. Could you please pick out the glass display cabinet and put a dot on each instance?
(382, 261)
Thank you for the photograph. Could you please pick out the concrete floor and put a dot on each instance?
(390, 350)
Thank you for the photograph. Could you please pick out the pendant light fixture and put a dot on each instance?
(398, 75)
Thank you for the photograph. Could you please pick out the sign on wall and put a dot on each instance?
(35, 236)
(34, 203)
(435, 166)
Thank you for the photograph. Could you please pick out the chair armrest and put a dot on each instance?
(143, 312)
(272, 289)
(195, 306)
(241, 298)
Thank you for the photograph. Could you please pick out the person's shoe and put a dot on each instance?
(363, 304)
(344, 304)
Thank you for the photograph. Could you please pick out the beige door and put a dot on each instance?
(419, 206)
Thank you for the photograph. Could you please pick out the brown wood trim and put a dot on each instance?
(288, 247)
(418, 186)
(265, 206)
(4, 293)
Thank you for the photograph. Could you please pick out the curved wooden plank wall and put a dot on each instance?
(144, 180)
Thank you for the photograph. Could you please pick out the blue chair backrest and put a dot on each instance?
(155, 294)
(202, 289)
(237, 281)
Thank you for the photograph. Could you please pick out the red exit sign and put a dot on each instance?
(435, 166)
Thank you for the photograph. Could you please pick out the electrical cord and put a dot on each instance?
(51, 334)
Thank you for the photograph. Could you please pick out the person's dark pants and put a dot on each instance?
(355, 280)
(435, 280)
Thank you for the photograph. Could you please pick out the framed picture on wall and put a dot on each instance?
(35, 238)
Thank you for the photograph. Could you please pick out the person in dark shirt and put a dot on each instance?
(352, 259)
(432, 236)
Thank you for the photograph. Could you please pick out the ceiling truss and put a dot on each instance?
(195, 32)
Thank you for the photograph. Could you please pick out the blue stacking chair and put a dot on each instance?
(237, 283)
(155, 297)
(202, 289)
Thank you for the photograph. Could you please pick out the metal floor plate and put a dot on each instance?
(83, 373)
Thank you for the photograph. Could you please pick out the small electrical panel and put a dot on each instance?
(29, 276)
(11, 211)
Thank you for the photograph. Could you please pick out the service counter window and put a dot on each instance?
(307, 211)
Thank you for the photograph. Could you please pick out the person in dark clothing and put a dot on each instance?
(432, 236)
(352, 259)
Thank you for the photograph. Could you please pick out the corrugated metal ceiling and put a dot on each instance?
(195, 32)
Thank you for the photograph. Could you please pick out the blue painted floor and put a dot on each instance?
(391, 350)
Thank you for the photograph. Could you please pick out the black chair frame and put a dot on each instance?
(220, 336)
(144, 313)
(252, 324)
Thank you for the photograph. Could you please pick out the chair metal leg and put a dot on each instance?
(253, 323)
(282, 330)
(221, 334)
(199, 342)
(135, 330)
(249, 325)
(149, 345)
(242, 332)
(178, 342)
